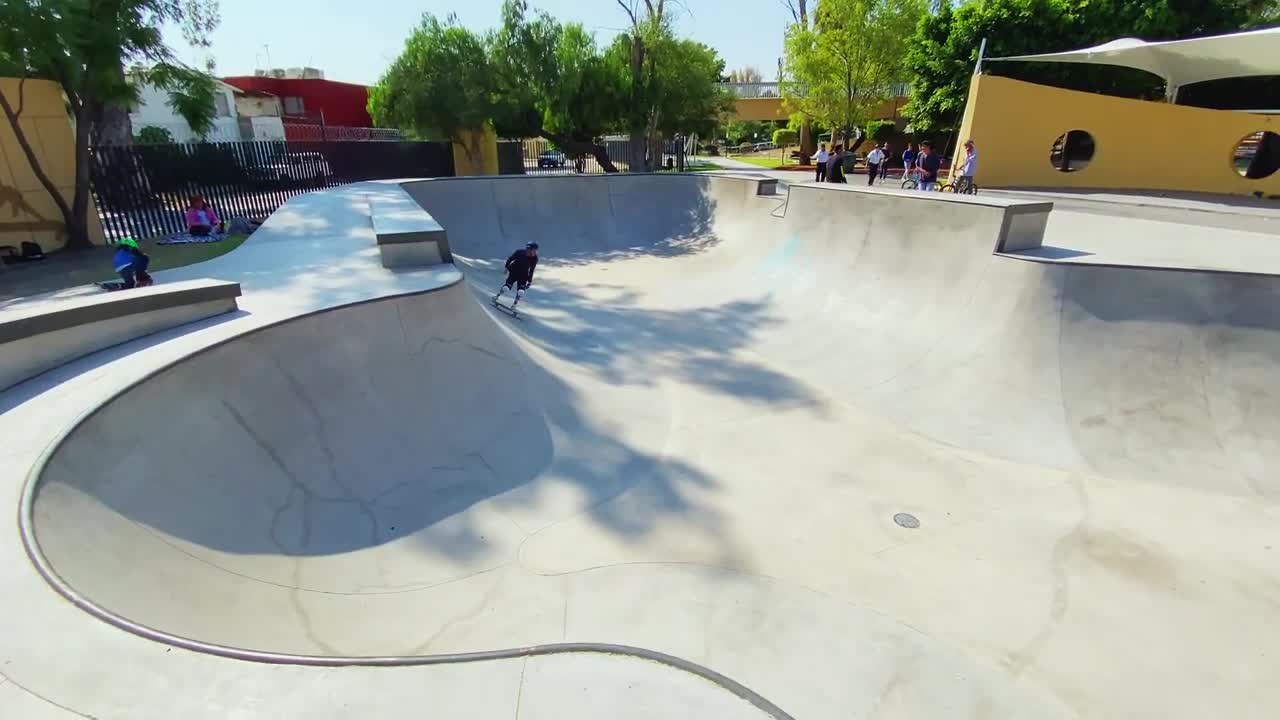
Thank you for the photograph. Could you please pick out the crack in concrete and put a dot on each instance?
(5, 680)
(524, 665)
(1019, 660)
(477, 608)
(331, 461)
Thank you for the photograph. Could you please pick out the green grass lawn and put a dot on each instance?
(767, 162)
(65, 269)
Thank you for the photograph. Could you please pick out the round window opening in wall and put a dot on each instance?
(1072, 151)
(1257, 155)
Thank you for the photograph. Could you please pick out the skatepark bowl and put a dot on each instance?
(817, 455)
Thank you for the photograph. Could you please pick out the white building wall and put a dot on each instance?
(153, 110)
(267, 128)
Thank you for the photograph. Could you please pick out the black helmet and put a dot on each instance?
(531, 246)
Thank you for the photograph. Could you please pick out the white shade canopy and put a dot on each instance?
(1182, 62)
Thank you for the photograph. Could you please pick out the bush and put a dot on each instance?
(710, 149)
(784, 137)
(152, 135)
(741, 131)
(879, 131)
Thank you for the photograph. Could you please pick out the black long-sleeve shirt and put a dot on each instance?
(521, 264)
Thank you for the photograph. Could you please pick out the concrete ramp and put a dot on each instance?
(697, 440)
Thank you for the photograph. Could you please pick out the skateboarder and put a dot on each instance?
(520, 271)
(131, 264)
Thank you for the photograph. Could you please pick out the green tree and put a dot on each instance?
(531, 77)
(440, 85)
(152, 135)
(83, 45)
(687, 95)
(671, 85)
(839, 70)
(739, 131)
(555, 82)
(945, 45)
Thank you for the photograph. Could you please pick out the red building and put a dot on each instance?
(313, 100)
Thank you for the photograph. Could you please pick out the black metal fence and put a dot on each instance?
(143, 190)
(541, 157)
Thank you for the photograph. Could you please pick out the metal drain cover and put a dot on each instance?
(907, 520)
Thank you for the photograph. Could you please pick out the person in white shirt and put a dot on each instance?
(874, 159)
(968, 168)
(821, 159)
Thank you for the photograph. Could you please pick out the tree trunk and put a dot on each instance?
(575, 148)
(639, 137)
(78, 227)
(806, 142)
(111, 123)
(114, 127)
(655, 142)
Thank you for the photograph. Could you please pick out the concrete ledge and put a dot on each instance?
(407, 235)
(42, 336)
(1024, 226)
(1022, 223)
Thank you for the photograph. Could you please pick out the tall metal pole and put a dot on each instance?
(982, 51)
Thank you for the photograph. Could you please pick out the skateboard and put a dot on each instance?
(510, 309)
(114, 285)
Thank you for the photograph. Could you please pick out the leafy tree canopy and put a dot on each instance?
(85, 46)
(845, 65)
(944, 48)
(535, 76)
(439, 85)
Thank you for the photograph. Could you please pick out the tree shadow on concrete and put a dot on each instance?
(624, 343)
(323, 454)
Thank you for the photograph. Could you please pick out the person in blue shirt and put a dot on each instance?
(930, 163)
(130, 264)
(908, 161)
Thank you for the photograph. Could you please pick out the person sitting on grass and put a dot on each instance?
(201, 218)
(131, 264)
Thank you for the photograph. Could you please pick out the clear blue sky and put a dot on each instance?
(354, 40)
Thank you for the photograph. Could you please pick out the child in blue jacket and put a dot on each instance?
(131, 264)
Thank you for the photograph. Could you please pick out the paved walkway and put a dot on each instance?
(815, 461)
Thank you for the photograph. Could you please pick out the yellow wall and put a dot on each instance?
(1138, 144)
(27, 212)
(772, 109)
(475, 152)
(759, 109)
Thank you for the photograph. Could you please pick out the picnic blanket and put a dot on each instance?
(186, 238)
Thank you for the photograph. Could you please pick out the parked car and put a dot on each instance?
(293, 166)
(551, 159)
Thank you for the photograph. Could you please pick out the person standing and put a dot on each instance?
(875, 159)
(884, 166)
(821, 161)
(968, 168)
(930, 163)
(835, 165)
(908, 161)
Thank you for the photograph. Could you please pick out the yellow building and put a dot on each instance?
(27, 212)
(1036, 136)
(762, 102)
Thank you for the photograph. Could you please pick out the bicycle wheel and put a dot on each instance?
(946, 187)
(909, 185)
